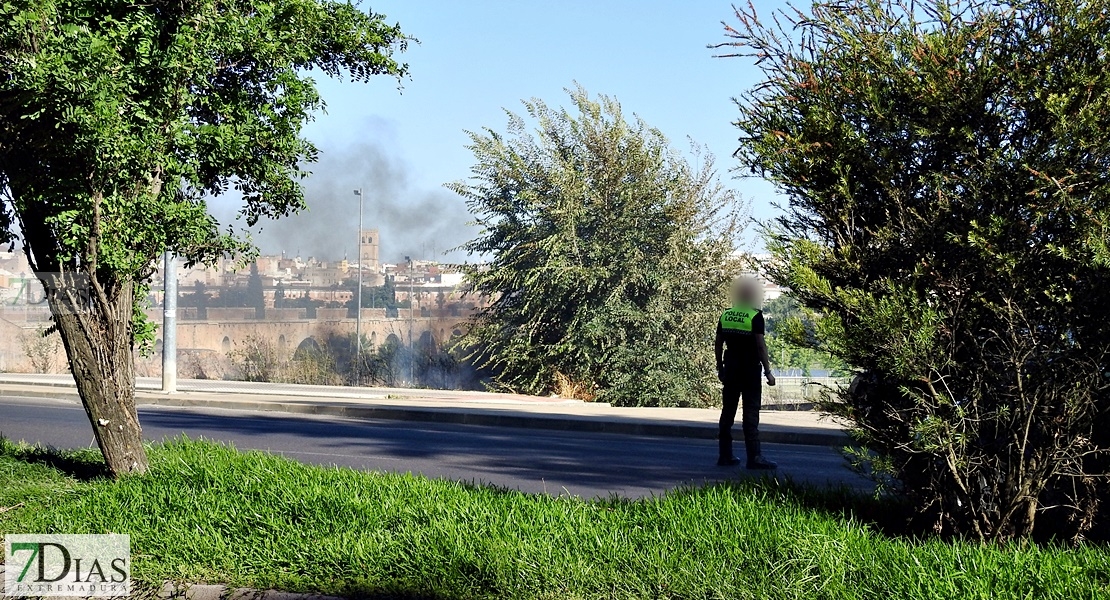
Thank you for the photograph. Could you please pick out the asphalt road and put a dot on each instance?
(536, 461)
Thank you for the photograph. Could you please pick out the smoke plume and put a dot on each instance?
(412, 220)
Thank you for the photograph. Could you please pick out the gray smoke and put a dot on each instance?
(412, 220)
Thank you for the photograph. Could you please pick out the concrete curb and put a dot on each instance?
(458, 416)
(315, 392)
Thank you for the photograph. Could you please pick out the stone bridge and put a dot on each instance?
(289, 334)
(224, 330)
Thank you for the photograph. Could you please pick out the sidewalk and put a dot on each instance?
(448, 406)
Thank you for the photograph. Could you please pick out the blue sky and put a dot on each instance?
(477, 58)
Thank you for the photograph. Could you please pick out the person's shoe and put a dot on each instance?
(728, 461)
(758, 463)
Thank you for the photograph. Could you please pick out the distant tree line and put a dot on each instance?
(202, 297)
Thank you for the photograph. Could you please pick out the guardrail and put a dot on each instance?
(800, 390)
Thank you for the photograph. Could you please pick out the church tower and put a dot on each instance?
(368, 256)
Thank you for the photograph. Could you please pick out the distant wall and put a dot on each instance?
(331, 314)
(227, 329)
(17, 325)
(230, 314)
(286, 314)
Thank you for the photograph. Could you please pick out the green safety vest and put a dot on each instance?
(738, 318)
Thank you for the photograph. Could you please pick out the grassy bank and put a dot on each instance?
(208, 513)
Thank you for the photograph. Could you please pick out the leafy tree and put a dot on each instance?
(279, 295)
(256, 296)
(947, 167)
(117, 121)
(383, 296)
(609, 257)
(309, 303)
(197, 299)
(231, 296)
(389, 363)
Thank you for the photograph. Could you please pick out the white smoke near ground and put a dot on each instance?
(412, 219)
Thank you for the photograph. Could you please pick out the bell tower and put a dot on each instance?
(368, 254)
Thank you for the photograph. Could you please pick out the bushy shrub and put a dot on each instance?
(947, 166)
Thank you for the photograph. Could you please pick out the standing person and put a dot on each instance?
(741, 356)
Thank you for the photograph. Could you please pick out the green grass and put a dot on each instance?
(208, 513)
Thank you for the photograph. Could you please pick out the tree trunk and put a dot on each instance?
(96, 329)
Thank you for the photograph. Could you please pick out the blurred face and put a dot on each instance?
(747, 291)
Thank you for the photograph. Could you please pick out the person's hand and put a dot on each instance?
(720, 373)
(770, 378)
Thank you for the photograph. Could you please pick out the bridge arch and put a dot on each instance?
(426, 342)
(308, 346)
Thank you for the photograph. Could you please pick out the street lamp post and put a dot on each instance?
(412, 346)
(358, 301)
(169, 324)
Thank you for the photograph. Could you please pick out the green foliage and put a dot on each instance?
(789, 331)
(256, 297)
(428, 364)
(257, 359)
(311, 366)
(609, 257)
(279, 295)
(946, 168)
(363, 534)
(121, 118)
(198, 298)
(41, 346)
(30, 476)
(144, 333)
(118, 120)
(383, 296)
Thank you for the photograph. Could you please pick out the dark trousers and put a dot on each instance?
(750, 388)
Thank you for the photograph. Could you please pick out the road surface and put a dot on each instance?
(535, 461)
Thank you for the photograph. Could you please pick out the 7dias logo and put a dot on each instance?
(67, 565)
